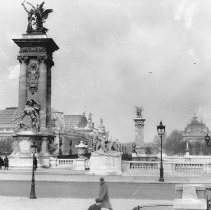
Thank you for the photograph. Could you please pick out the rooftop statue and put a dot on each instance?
(139, 111)
(36, 17)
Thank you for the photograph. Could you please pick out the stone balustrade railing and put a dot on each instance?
(191, 159)
(136, 165)
(143, 166)
(61, 163)
(75, 164)
(189, 167)
(150, 166)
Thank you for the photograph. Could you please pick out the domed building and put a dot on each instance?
(194, 134)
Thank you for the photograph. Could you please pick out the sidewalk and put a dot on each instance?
(20, 203)
(67, 175)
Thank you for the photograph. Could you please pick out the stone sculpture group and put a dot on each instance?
(36, 17)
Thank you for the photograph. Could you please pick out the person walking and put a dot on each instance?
(6, 163)
(35, 163)
(1, 162)
(103, 194)
(97, 205)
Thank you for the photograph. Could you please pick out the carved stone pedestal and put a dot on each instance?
(80, 164)
(22, 154)
(102, 163)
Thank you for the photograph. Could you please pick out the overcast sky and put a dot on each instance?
(118, 54)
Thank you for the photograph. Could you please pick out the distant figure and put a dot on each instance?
(1, 162)
(6, 163)
(97, 205)
(35, 163)
(70, 148)
(103, 194)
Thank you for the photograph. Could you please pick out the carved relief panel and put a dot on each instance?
(32, 76)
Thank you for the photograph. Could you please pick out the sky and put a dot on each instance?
(118, 54)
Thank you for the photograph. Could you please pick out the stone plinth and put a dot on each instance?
(102, 163)
(23, 162)
(22, 154)
(80, 164)
(191, 199)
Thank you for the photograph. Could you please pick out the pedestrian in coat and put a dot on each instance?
(35, 163)
(6, 163)
(97, 205)
(1, 162)
(103, 194)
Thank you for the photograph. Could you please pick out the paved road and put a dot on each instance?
(88, 190)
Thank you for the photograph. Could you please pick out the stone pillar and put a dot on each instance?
(48, 108)
(22, 82)
(139, 135)
(43, 93)
(35, 56)
(44, 146)
(44, 155)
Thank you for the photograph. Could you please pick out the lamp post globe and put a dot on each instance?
(161, 132)
(32, 193)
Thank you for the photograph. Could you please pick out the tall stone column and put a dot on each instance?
(22, 82)
(35, 57)
(139, 131)
(48, 105)
(42, 92)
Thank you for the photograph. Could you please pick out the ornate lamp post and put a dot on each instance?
(161, 131)
(60, 144)
(32, 193)
(207, 139)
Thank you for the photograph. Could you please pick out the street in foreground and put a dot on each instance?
(89, 190)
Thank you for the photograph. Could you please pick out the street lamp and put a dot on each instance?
(60, 144)
(32, 193)
(161, 131)
(207, 139)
